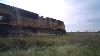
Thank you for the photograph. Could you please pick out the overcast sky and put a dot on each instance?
(77, 15)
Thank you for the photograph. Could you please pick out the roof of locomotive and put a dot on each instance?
(8, 6)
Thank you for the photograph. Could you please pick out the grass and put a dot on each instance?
(71, 44)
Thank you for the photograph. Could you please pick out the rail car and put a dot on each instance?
(19, 22)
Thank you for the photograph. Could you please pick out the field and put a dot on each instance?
(71, 44)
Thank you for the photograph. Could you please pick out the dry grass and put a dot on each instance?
(71, 44)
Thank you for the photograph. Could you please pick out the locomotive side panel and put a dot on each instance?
(27, 18)
(39, 23)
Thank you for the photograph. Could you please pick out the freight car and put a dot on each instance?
(19, 22)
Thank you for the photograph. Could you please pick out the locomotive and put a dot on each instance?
(19, 22)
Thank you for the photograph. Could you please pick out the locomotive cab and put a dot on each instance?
(4, 24)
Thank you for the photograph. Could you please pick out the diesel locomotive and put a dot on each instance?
(19, 22)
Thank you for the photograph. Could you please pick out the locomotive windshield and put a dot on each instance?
(4, 18)
(1, 18)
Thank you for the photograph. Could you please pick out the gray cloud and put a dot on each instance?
(86, 13)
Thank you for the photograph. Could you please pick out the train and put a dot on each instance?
(19, 22)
